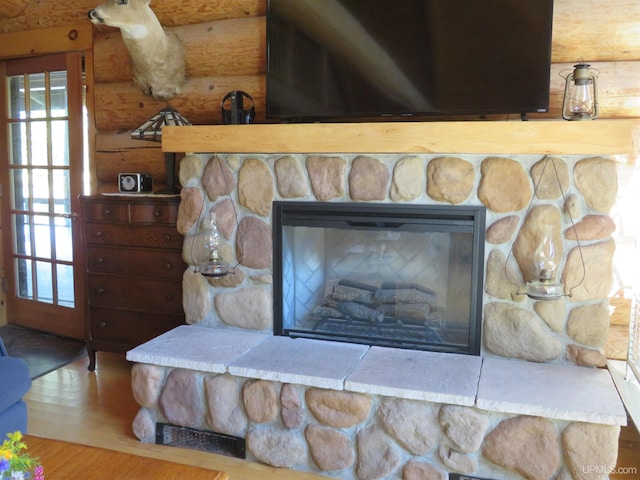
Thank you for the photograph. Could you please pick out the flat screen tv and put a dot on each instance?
(333, 59)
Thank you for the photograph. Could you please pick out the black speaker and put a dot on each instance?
(233, 110)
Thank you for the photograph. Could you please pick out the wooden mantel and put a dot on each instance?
(598, 137)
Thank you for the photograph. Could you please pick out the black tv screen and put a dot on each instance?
(331, 59)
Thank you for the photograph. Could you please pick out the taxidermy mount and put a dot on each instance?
(157, 57)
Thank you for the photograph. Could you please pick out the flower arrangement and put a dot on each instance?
(15, 464)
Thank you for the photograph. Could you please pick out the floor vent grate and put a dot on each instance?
(195, 439)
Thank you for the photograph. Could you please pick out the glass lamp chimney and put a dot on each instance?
(580, 94)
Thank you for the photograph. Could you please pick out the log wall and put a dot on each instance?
(225, 44)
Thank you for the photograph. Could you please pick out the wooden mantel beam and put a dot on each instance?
(599, 137)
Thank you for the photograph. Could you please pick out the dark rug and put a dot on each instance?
(42, 352)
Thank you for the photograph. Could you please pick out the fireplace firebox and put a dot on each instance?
(404, 276)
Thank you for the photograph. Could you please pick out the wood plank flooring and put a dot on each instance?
(97, 409)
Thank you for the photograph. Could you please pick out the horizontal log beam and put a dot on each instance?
(223, 48)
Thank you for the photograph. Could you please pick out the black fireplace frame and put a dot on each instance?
(410, 217)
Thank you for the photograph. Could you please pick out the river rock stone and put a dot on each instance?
(181, 400)
(573, 206)
(217, 179)
(190, 169)
(414, 470)
(196, 300)
(225, 217)
(254, 243)
(292, 410)
(191, 201)
(146, 383)
(591, 227)
(589, 324)
(597, 179)
(290, 178)
(500, 283)
(457, 461)
(144, 426)
(512, 332)
(553, 313)
(260, 400)
(228, 281)
(327, 176)
(330, 449)
(410, 423)
(247, 308)
(502, 230)
(406, 183)
(450, 179)
(368, 179)
(255, 186)
(528, 446)
(598, 271)
(504, 185)
(336, 408)
(586, 357)
(544, 175)
(590, 450)
(278, 448)
(377, 456)
(464, 427)
(541, 220)
(224, 408)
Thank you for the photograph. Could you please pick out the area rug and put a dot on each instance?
(42, 352)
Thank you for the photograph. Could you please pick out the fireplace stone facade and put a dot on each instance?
(346, 433)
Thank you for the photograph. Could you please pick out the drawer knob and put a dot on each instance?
(100, 290)
(157, 212)
(99, 234)
(102, 324)
(99, 260)
(169, 297)
(169, 266)
(107, 211)
(167, 237)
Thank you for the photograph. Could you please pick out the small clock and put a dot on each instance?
(134, 182)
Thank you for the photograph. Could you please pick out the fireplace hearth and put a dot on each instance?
(404, 276)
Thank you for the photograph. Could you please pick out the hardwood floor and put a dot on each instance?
(96, 409)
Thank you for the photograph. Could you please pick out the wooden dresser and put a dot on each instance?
(134, 270)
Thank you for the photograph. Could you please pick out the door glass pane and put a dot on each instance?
(24, 278)
(16, 97)
(39, 139)
(65, 285)
(21, 241)
(45, 285)
(42, 236)
(61, 192)
(37, 96)
(64, 250)
(58, 93)
(60, 143)
(18, 142)
(20, 185)
(41, 189)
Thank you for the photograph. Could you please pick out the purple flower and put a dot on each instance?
(4, 465)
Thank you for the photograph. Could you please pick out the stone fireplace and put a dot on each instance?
(525, 407)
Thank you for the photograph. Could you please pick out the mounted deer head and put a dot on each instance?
(157, 57)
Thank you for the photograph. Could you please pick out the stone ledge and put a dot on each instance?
(559, 392)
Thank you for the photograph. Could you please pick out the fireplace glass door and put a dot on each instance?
(406, 276)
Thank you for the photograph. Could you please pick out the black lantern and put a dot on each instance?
(580, 94)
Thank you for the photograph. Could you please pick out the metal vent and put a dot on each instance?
(194, 439)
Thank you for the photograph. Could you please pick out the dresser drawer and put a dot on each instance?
(128, 327)
(136, 262)
(106, 212)
(153, 213)
(161, 296)
(136, 236)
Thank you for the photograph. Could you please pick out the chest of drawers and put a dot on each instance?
(134, 270)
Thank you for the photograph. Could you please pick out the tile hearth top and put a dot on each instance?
(431, 376)
(563, 392)
(560, 392)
